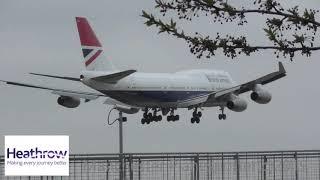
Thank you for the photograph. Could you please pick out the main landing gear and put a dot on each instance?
(196, 115)
(222, 116)
(172, 117)
(150, 117)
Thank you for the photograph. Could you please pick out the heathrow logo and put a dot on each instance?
(36, 155)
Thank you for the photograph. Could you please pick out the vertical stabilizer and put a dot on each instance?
(94, 58)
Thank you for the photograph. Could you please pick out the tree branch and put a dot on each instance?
(277, 29)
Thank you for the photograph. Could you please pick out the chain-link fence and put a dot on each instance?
(268, 165)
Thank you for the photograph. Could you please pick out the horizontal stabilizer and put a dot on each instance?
(58, 77)
(113, 78)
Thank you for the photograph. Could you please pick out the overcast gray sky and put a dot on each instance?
(40, 36)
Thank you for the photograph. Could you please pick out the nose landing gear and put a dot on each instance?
(222, 116)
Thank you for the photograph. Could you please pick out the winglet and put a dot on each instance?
(281, 68)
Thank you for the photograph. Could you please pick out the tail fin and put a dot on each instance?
(93, 55)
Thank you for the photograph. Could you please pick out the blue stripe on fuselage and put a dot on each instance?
(159, 96)
(172, 96)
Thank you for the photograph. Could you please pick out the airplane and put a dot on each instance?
(131, 91)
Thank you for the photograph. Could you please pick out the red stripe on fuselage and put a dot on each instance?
(87, 35)
(93, 57)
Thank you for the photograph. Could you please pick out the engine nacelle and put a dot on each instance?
(237, 104)
(68, 102)
(261, 96)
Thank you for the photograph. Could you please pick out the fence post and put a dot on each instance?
(282, 176)
(296, 162)
(130, 167)
(211, 168)
(174, 168)
(107, 172)
(139, 169)
(180, 171)
(319, 164)
(265, 160)
(222, 166)
(274, 167)
(167, 167)
(196, 168)
(124, 167)
(238, 166)
(208, 168)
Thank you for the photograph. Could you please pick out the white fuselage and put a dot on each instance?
(181, 89)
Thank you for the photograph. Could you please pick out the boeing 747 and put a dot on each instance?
(156, 94)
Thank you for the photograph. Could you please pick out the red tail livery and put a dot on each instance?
(91, 47)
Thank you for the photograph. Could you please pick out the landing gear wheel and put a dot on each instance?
(192, 120)
(159, 118)
(143, 121)
(145, 115)
(197, 120)
(194, 114)
(172, 117)
(224, 116)
(199, 114)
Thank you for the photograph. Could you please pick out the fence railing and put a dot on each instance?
(263, 165)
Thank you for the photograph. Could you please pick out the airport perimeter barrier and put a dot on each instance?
(263, 165)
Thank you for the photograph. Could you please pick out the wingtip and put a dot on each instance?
(281, 68)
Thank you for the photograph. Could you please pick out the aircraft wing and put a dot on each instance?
(62, 92)
(250, 85)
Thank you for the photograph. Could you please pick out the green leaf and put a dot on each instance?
(209, 2)
(149, 23)
(299, 39)
(145, 14)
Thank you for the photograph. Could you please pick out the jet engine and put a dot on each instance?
(237, 104)
(68, 102)
(260, 95)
